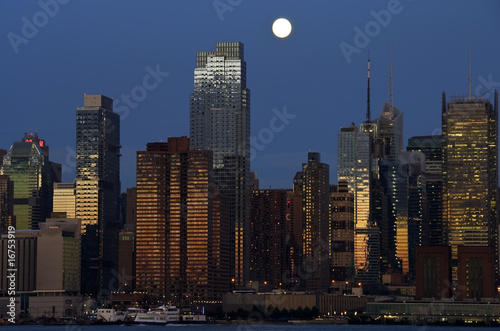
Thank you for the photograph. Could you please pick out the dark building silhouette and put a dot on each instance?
(7, 217)
(294, 272)
(432, 147)
(433, 272)
(268, 220)
(476, 272)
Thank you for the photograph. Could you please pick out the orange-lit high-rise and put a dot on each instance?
(176, 233)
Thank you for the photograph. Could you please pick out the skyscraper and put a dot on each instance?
(341, 233)
(177, 228)
(220, 122)
(268, 237)
(367, 229)
(27, 165)
(346, 156)
(470, 172)
(315, 220)
(295, 228)
(405, 179)
(98, 190)
(431, 146)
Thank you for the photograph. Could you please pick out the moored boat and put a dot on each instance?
(159, 315)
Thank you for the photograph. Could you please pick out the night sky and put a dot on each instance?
(108, 47)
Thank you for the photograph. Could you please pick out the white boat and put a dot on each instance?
(132, 313)
(110, 315)
(160, 315)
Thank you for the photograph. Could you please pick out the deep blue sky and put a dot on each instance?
(104, 47)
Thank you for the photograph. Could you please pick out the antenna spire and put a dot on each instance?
(470, 72)
(390, 81)
(368, 92)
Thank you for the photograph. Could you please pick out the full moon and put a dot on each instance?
(282, 28)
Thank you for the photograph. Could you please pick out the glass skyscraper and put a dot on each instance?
(220, 122)
(470, 172)
(431, 146)
(27, 165)
(98, 190)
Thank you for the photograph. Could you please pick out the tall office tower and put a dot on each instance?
(65, 199)
(98, 190)
(220, 122)
(341, 233)
(431, 146)
(367, 230)
(6, 204)
(27, 165)
(470, 172)
(175, 224)
(294, 245)
(315, 220)
(405, 178)
(346, 156)
(268, 221)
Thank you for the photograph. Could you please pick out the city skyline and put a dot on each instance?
(299, 75)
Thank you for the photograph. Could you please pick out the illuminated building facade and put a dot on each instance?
(220, 122)
(269, 237)
(65, 199)
(177, 228)
(98, 190)
(367, 232)
(432, 147)
(341, 233)
(315, 220)
(406, 181)
(346, 156)
(470, 172)
(27, 165)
